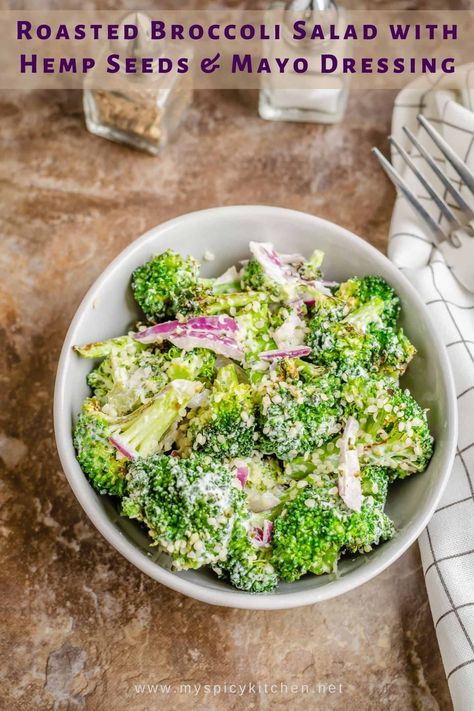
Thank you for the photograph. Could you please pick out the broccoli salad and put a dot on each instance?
(254, 422)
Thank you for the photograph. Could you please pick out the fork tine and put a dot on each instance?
(445, 209)
(469, 212)
(398, 181)
(459, 166)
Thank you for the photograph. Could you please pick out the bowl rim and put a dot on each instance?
(230, 597)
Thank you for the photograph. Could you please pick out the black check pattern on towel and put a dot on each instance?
(447, 545)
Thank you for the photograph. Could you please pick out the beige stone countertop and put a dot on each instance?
(82, 626)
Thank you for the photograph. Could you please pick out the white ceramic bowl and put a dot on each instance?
(108, 310)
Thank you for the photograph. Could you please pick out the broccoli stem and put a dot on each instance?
(227, 287)
(101, 349)
(144, 428)
(226, 378)
(236, 300)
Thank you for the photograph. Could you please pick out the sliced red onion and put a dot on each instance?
(123, 447)
(157, 332)
(349, 483)
(350, 430)
(299, 352)
(219, 324)
(262, 537)
(270, 261)
(267, 531)
(291, 258)
(223, 345)
(299, 304)
(242, 474)
(317, 286)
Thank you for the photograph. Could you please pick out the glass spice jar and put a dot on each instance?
(318, 98)
(140, 110)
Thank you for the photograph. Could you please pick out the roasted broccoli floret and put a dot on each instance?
(169, 285)
(347, 340)
(297, 414)
(225, 426)
(99, 459)
(357, 291)
(368, 527)
(248, 564)
(104, 444)
(394, 430)
(166, 285)
(335, 344)
(310, 269)
(254, 278)
(129, 375)
(391, 350)
(315, 526)
(189, 506)
(308, 534)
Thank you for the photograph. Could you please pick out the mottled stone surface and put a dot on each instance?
(81, 625)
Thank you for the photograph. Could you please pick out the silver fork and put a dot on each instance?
(456, 240)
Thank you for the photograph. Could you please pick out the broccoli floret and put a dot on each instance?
(366, 528)
(129, 375)
(315, 526)
(196, 364)
(189, 506)
(104, 443)
(166, 285)
(296, 415)
(247, 566)
(254, 278)
(356, 292)
(169, 285)
(349, 340)
(255, 327)
(391, 351)
(394, 430)
(311, 269)
(99, 459)
(333, 343)
(308, 534)
(374, 483)
(225, 426)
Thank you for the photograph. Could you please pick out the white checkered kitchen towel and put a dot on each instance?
(447, 545)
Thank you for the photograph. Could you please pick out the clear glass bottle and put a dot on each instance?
(140, 110)
(318, 98)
